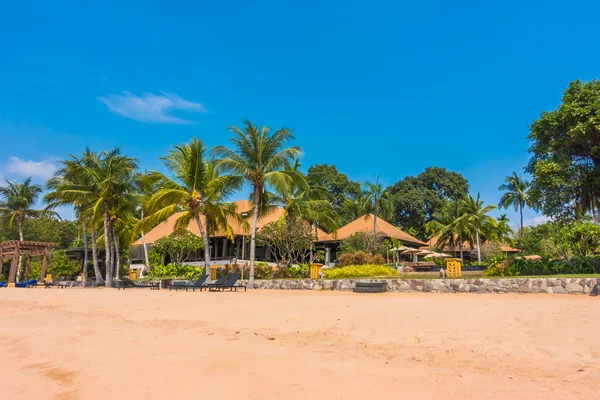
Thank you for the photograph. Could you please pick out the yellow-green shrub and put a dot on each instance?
(359, 271)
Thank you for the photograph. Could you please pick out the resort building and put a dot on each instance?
(222, 249)
(469, 253)
(331, 242)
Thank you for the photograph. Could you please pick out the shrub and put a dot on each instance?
(296, 271)
(359, 271)
(176, 271)
(360, 258)
(63, 266)
(262, 270)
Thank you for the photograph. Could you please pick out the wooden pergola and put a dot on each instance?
(13, 249)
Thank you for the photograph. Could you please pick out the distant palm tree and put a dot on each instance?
(450, 227)
(17, 200)
(68, 188)
(516, 195)
(355, 207)
(475, 213)
(259, 157)
(378, 201)
(503, 230)
(197, 189)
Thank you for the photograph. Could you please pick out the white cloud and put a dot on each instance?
(538, 220)
(151, 108)
(36, 169)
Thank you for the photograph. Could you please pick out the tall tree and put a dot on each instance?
(565, 149)
(515, 195)
(475, 213)
(197, 189)
(16, 205)
(417, 199)
(450, 227)
(354, 207)
(378, 200)
(259, 157)
(336, 185)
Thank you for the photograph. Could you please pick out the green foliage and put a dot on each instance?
(565, 162)
(360, 258)
(319, 256)
(359, 271)
(46, 229)
(262, 270)
(417, 199)
(575, 266)
(154, 259)
(178, 245)
(562, 239)
(63, 266)
(363, 241)
(337, 186)
(176, 271)
(289, 240)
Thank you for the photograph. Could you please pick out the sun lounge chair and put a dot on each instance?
(59, 283)
(27, 284)
(179, 285)
(230, 283)
(2, 284)
(218, 283)
(128, 283)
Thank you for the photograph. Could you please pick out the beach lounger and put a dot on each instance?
(128, 283)
(2, 284)
(218, 283)
(197, 284)
(27, 284)
(55, 283)
(230, 283)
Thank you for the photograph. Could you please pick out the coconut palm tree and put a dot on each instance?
(515, 195)
(450, 227)
(355, 207)
(67, 188)
(259, 157)
(197, 189)
(475, 214)
(17, 200)
(108, 179)
(378, 201)
(503, 231)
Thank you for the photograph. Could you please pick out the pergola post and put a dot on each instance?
(45, 260)
(13, 265)
(1, 260)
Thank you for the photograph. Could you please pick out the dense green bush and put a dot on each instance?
(544, 266)
(360, 258)
(176, 271)
(359, 271)
(63, 266)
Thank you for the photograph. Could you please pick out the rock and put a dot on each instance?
(558, 290)
(574, 288)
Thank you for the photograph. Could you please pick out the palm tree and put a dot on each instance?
(18, 198)
(516, 189)
(503, 230)
(196, 188)
(355, 207)
(475, 213)
(259, 157)
(378, 201)
(67, 188)
(108, 180)
(450, 227)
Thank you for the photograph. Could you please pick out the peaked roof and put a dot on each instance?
(365, 223)
(166, 228)
(467, 247)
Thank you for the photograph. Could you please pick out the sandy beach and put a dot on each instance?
(140, 344)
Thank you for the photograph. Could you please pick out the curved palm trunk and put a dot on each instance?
(253, 237)
(462, 259)
(116, 255)
(478, 246)
(109, 279)
(375, 223)
(97, 272)
(206, 241)
(145, 248)
(85, 252)
(20, 227)
(521, 210)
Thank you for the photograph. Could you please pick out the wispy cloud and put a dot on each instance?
(538, 220)
(36, 169)
(151, 108)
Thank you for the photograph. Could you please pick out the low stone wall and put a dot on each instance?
(482, 285)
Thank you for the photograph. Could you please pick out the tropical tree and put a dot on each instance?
(378, 201)
(503, 230)
(450, 227)
(67, 188)
(197, 189)
(354, 207)
(475, 213)
(259, 157)
(515, 195)
(17, 200)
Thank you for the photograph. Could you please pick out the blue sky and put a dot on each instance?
(376, 88)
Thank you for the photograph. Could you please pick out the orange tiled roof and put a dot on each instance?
(365, 223)
(166, 228)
